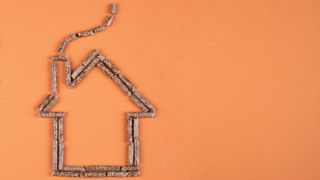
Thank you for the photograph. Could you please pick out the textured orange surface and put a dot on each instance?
(236, 85)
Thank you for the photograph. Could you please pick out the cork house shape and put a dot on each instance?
(96, 59)
(73, 78)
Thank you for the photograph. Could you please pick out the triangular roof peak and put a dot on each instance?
(73, 78)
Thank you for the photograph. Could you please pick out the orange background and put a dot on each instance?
(236, 85)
